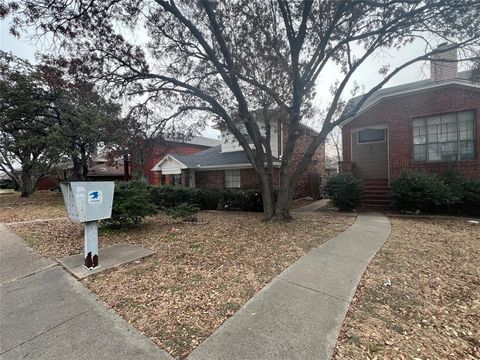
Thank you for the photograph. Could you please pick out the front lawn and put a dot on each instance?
(199, 275)
(40, 205)
(431, 310)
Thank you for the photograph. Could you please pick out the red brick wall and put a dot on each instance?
(46, 183)
(152, 156)
(316, 169)
(398, 113)
(213, 179)
(249, 178)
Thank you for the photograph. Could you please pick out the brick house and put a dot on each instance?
(102, 168)
(149, 156)
(429, 125)
(227, 165)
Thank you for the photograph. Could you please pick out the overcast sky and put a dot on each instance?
(367, 76)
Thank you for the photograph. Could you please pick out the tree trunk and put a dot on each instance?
(77, 169)
(282, 205)
(84, 159)
(28, 183)
(126, 166)
(267, 194)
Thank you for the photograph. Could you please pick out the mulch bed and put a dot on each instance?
(431, 310)
(200, 274)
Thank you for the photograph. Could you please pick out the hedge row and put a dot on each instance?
(134, 200)
(427, 192)
(167, 197)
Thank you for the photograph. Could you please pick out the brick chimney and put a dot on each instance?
(444, 70)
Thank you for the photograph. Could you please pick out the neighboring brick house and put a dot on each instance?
(429, 125)
(46, 183)
(227, 165)
(150, 156)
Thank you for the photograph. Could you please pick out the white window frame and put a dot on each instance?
(423, 131)
(232, 179)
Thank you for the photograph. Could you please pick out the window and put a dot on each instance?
(177, 179)
(371, 135)
(232, 178)
(447, 137)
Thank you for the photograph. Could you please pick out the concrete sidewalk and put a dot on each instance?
(46, 314)
(300, 313)
(312, 207)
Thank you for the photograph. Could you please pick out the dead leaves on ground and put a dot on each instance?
(432, 308)
(200, 274)
(41, 205)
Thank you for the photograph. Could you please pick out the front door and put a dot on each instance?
(370, 153)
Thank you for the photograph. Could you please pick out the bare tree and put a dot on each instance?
(231, 59)
(335, 140)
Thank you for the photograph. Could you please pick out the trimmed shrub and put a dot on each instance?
(187, 212)
(345, 190)
(454, 181)
(413, 191)
(471, 197)
(167, 197)
(208, 199)
(131, 203)
(242, 200)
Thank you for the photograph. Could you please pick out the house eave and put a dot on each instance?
(165, 158)
(228, 166)
(459, 82)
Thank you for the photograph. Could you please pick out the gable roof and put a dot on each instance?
(174, 159)
(204, 141)
(213, 158)
(463, 78)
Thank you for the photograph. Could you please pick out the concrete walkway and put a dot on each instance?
(312, 207)
(300, 313)
(46, 314)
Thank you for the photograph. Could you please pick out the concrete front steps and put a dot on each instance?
(376, 195)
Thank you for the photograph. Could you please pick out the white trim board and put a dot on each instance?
(229, 166)
(166, 158)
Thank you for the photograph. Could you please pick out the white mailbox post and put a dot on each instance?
(88, 202)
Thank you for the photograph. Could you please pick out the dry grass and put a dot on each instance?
(200, 274)
(41, 205)
(432, 308)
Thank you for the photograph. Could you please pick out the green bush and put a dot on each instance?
(168, 197)
(471, 197)
(345, 190)
(187, 212)
(242, 200)
(427, 192)
(208, 199)
(413, 191)
(131, 203)
(454, 181)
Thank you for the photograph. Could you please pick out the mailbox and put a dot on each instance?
(88, 202)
